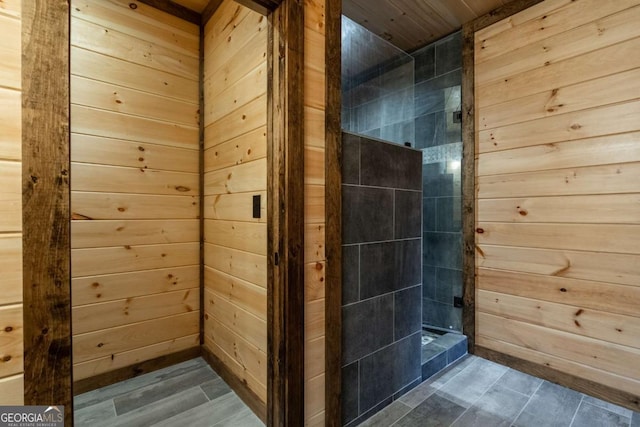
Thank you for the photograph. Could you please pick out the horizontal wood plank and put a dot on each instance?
(10, 52)
(94, 317)
(250, 357)
(314, 319)
(243, 149)
(111, 287)
(11, 267)
(609, 268)
(11, 390)
(106, 96)
(543, 21)
(120, 45)
(11, 340)
(90, 121)
(314, 243)
(244, 236)
(246, 89)
(604, 238)
(314, 358)
(612, 89)
(601, 296)
(92, 234)
(254, 26)
(10, 196)
(229, 73)
(238, 370)
(10, 123)
(601, 325)
(115, 16)
(245, 177)
(611, 149)
(121, 259)
(123, 359)
(314, 273)
(93, 65)
(614, 59)
(606, 120)
(248, 117)
(604, 31)
(244, 265)
(599, 209)
(314, 204)
(117, 152)
(95, 345)
(86, 205)
(607, 179)
(235, 207)
(243, 294)
(588, 351)
(114, 179)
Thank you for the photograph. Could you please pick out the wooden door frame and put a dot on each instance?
(46, 210)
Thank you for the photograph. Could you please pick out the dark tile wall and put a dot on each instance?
(382, 274)
(437, 96)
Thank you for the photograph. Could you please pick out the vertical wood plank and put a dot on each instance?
(285, 308)
(46, 241)
(333, 213)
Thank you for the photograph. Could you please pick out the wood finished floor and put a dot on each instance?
(187, 394)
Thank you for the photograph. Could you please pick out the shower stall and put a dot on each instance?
(410, 101)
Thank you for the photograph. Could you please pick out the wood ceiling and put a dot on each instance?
(408, 24)
(411, 24)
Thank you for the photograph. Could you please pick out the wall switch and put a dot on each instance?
(256, 206)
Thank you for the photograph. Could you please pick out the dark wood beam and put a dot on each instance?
(45, 205)
(333, 212)
(174, 9)
(285, 154)
(263, 7)
(208, 11)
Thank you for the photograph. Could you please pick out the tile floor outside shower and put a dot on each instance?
(471, 392)
(478, 392)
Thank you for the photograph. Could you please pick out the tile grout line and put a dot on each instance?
(528, 401)
(576, 411)
(479, 398)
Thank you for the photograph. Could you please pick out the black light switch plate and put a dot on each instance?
(256, 206)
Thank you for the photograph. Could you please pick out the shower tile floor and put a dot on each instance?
(187, 394)
(477, 392)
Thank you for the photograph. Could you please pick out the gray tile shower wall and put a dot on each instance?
(382, 274)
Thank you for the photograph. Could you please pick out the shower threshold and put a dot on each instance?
(440, 350)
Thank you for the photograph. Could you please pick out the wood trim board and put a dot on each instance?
(285, 229)
(333, 213)
(45, 205)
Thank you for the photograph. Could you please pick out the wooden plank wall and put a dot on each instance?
(11, 337)
(315, 220)
(558, 189)
(235, 165)
(134, 180)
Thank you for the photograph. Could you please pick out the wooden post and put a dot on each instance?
(333, 213)
(45, 205)
(285, 154)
